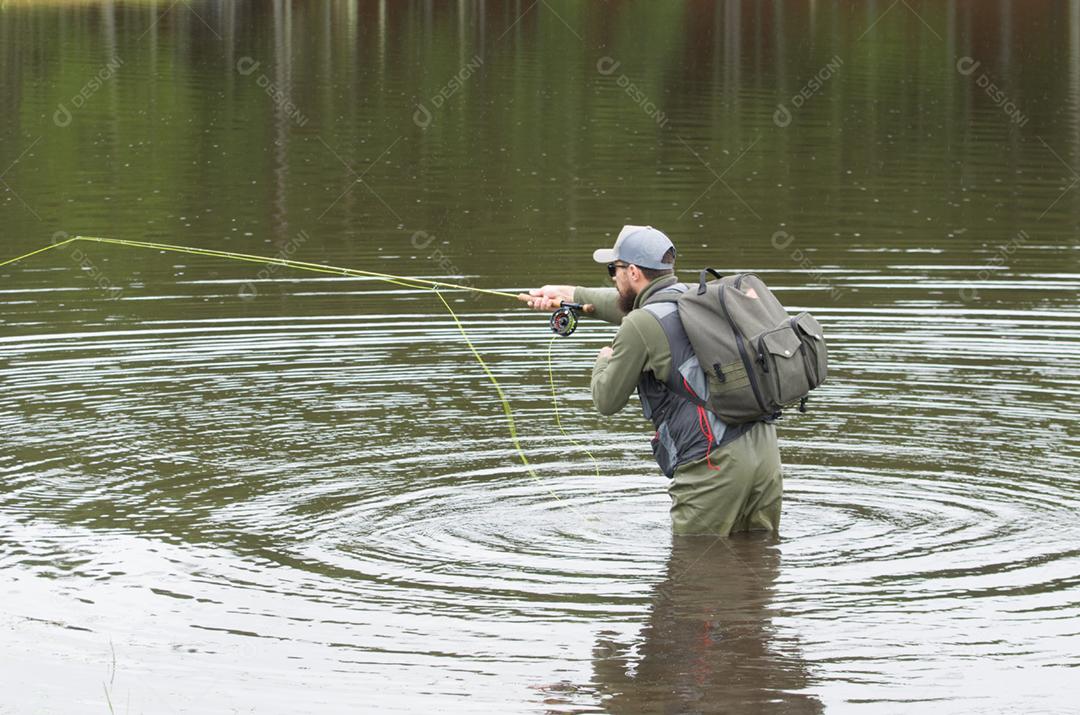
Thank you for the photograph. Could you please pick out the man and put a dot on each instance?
(724, 478)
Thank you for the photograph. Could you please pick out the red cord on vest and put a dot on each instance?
(703, 425)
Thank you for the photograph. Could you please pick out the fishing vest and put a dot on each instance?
(685, 430)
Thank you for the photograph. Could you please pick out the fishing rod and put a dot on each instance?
(563, 321)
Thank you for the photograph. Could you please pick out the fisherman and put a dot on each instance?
(724, 477)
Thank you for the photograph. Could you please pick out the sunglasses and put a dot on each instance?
(613, 267)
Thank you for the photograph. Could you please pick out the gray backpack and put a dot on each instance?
(756, 357)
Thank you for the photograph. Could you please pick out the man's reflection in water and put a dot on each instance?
(709, 644)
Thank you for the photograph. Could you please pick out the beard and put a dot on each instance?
(626, 300)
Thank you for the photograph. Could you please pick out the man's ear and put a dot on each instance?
(634, 272)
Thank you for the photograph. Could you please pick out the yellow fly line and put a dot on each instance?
(555, 406)
(406, 281)
(302, 265)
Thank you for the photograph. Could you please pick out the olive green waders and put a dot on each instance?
(740, 492)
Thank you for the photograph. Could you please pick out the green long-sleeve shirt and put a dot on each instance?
(639, 346)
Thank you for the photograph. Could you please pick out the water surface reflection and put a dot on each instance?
(221, 471)
(709, 643)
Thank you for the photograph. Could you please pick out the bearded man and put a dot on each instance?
(723, 477)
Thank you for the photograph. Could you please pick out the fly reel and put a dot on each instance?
(564, 320)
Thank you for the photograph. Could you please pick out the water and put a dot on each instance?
(228, 487)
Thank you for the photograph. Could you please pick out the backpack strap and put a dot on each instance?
(667, 294)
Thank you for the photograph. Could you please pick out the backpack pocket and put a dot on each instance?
(814, 351)
(730, 394)
(782, 366)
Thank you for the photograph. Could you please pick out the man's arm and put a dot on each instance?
(618, 369)
(605, 302)
(601, 303)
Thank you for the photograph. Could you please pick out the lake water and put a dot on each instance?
(232, 487)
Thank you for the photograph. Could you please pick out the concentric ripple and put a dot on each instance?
(342, 491)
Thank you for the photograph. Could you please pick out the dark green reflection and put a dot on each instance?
(709, 644)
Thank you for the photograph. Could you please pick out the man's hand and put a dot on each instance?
(549, 297)
(605, 351)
